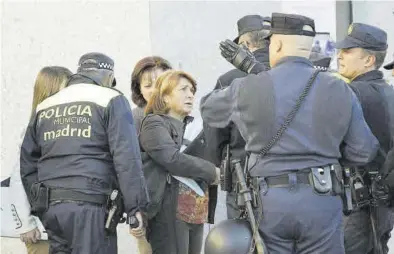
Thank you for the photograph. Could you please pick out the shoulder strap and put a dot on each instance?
(290, 116)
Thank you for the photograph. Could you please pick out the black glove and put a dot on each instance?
(238, 56)
(380, 191)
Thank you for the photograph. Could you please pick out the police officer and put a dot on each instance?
(252, 33)
(300, 214)
(80, 145)
(360, 56)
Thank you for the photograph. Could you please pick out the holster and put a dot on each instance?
(347, 191)
(115, 210)
(321, 179)
(39, 199)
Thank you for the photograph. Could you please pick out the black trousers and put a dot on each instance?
(189, 237)
(167, 235)
(78, 228)
(358, 232)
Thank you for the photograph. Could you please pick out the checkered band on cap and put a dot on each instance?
(106, 66)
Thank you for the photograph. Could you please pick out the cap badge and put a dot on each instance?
(350, 29)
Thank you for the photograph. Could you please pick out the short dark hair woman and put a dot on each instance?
(143, 78)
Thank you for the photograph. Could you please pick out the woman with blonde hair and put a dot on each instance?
(178, 211)
(48, 82)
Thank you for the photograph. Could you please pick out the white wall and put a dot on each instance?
(35, 34)
(380, 14)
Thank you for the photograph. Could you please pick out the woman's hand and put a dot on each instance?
(31, 237)
(139, 231)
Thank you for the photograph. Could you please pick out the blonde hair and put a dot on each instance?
(164, 86)
(49, 81)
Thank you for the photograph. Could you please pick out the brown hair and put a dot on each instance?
(49, 81)
(143, 65)
(164, 85)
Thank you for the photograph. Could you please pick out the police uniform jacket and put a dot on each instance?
(83, 138)
(217, 138)
(330, 116)
(371, 89)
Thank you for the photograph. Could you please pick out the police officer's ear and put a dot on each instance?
(276, 43)
(369, 59)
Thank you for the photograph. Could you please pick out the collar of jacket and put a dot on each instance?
(294, 59)
(186, 120)
(371, 75)
(262, 55)
(77, 79)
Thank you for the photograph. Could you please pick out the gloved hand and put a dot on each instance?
(31, 237)
(380, 191)
(237, 55)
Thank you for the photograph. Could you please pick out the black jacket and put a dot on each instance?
(371, 90)
(138, 115)
(161, 140)
(83, 138)
(217, 138)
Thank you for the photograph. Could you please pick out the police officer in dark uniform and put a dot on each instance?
(300, 213)
(360, 56)
(252, 33)
(80, 145)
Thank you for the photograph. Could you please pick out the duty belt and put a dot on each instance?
(283, 180)
(70, 195)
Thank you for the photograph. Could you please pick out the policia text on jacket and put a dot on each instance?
(67, 121)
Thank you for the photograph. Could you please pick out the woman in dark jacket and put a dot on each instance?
(177, 212)
(143, 79)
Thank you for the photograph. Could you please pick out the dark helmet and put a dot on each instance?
(229, 237)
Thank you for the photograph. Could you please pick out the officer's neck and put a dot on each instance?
(363, 71)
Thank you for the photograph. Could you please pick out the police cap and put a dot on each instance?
(95, 60)
(251, 23)
(292, 24)
(364, 36)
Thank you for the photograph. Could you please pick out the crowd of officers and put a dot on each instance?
(83, 143)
